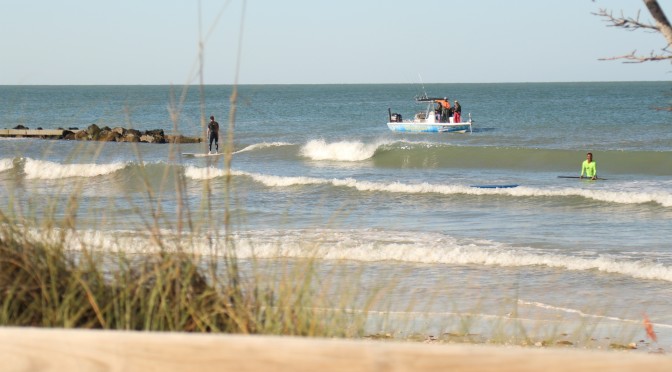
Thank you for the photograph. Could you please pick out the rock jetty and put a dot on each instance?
(105, 134)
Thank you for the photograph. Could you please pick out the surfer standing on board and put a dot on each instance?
(589, 167)
(213, 134)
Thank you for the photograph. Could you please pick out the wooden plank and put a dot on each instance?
(31, 132)
(33, 349)
(44, 132)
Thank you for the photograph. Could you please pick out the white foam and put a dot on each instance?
(6, 164)
(198, 173)
(585, 315)
(366, 245)
(41, 169)
(621, 197)
(258, 146)
(339, 151)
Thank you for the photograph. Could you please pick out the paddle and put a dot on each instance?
(588, 178)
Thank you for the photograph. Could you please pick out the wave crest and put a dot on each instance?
(263, 145)
(47, 170)
(368, 245)
(339, 151)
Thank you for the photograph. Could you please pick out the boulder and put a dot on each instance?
(119, 130)
(20, 127)
(135, 132)
(153, 136)
(130, 137)
(108, 136)
(93, 130)
(82, 135)
(68, 135)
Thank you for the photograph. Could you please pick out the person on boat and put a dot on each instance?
(213, 134)
(589, 167)
(458, 112)
(438, 110)
(445, 109)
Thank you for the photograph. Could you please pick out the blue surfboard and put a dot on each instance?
(508, 186)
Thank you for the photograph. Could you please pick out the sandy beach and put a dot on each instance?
(33, 349)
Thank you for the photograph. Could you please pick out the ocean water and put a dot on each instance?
(316, 173)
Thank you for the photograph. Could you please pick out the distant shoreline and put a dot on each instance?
(318, 84)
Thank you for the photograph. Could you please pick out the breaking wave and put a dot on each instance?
(620, 197)
(263, 145)
(339, 151)
(370, 245)
(47, 170)
(6, 164)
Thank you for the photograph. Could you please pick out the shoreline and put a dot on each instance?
(31, 349)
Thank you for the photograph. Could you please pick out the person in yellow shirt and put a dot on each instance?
(589, 168)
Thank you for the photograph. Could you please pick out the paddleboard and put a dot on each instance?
(509, 186)
(199, 155)
(585, 178)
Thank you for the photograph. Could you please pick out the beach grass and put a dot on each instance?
(44, 285)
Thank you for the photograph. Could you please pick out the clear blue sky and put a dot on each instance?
(319, 41)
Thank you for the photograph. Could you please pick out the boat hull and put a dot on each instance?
(429, 127)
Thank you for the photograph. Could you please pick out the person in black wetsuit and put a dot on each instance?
(213, 134)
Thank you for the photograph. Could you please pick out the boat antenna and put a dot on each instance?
(424, 92)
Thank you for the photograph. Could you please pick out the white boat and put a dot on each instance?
(428, 120)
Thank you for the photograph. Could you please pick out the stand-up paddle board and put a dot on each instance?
(509, 186)
(585, 178)
(202, 154)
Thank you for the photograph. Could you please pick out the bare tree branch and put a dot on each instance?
(634, 58)
(630, 24)
(662, 26)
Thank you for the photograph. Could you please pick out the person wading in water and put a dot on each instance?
(589, 168)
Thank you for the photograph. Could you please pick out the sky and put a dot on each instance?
(119, 42)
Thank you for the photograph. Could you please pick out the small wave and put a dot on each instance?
(339, 151)
(6, 164)
(367, 245)
(208, 173)
(47, 170)
(258, 146)
(619, 197)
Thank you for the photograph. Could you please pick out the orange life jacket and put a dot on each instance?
(444, 103)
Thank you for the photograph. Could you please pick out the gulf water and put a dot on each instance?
(316, 173)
